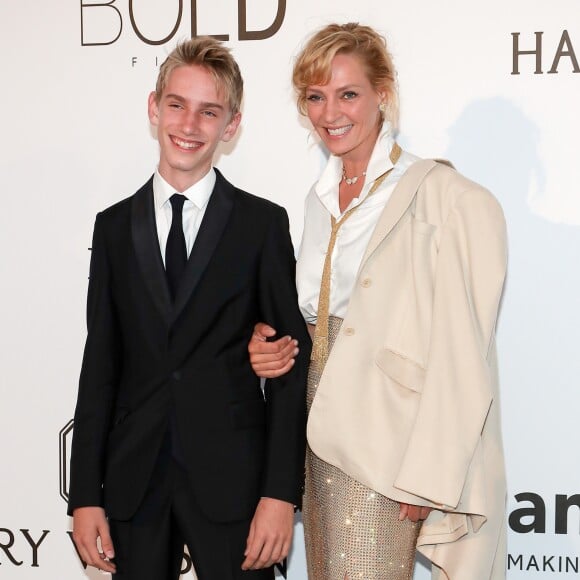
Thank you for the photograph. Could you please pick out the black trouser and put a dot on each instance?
(150, 545)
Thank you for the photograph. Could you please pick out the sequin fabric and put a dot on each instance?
(351, 532)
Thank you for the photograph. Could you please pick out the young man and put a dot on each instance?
(174, 442)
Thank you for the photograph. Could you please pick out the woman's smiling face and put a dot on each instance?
(345, 111)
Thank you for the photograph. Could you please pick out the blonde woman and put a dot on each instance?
(399, 276)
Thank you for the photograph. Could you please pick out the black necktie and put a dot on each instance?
(176, 250)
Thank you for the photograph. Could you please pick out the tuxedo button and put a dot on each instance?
(176, 375)
(366, 282)
(349, 331)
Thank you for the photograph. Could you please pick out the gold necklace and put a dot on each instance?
(351, 180)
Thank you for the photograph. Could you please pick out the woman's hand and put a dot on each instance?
(271, 359)
(414, 512)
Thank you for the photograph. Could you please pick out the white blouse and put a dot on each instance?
(353, 236)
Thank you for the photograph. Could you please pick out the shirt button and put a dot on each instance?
(349, 331)
(366, 283)
(176, 375)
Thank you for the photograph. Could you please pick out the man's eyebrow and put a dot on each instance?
(210, 105)
(174, 96)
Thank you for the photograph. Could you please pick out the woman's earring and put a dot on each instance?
(383, 108)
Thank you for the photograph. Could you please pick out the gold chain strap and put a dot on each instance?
(320, 343)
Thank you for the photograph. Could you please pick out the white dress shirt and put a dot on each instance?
(353, 236)
(193, 208)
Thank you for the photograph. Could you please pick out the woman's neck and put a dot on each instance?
(346, 193)
(355, 162)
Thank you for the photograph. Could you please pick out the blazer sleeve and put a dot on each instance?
(97, 384)
(458, 388)
(285, 396)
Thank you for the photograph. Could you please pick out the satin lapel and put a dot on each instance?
(398, 203)
(146, 243)
(210, 232)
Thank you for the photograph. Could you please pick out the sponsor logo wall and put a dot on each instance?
(491, 86)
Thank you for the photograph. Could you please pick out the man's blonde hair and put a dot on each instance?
(212, 55)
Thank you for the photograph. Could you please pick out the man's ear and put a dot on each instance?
(232, 127)
(153, 108)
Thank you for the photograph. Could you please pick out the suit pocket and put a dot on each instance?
(404, 371)
(422, 228)
(248, 414)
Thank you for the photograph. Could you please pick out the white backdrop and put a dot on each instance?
(76, 139)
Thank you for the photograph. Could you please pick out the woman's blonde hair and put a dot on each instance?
(313, 65)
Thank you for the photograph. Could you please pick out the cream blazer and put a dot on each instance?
(408, 402)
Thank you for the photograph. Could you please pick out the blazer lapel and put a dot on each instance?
(210, 232)
(398, 203)
(146, 243)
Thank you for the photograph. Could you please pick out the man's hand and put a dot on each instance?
(414, 512)
(90, 523)
(270, 534)
(271, 359)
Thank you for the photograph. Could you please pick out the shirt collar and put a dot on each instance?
(379, 163)
(199, 193)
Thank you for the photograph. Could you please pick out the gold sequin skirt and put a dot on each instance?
(351, 532)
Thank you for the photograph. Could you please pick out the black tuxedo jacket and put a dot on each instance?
(145, 355)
